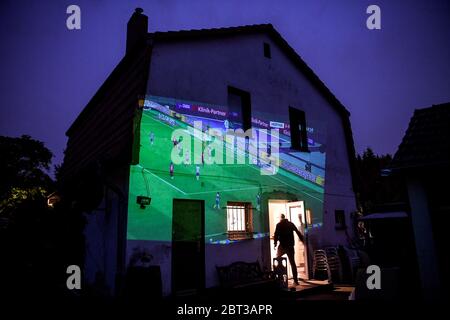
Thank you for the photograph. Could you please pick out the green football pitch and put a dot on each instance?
(230, 178)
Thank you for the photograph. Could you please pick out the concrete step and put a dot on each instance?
(305, 288)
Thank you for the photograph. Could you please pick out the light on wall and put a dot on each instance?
(143, 201)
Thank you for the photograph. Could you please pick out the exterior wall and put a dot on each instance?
(101, 141)
(101, 245)
(422, 223)
(201, 70)
(215, 255)
(149, 229)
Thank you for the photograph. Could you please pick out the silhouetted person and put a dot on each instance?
(284, 233)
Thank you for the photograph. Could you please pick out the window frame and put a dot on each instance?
(246, 106)
(248, 216)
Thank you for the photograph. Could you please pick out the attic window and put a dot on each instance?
(267, 52)
(240, 105)
(299, 139)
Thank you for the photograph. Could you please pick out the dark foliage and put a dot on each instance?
(23, 164)
(37, 242)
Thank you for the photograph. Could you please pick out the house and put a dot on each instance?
(423, 160)
(195, 145)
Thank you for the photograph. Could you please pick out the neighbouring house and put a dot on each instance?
(193, 147)
(388, 241)
(423, 160)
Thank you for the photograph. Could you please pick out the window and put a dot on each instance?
(299, 139)
(267, 52)
(240, 107)
(339, 216)
(239, 220)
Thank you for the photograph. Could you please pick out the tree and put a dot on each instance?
(23, 189)
(23, 167)
(23, 164)
(37, 242)
(375, 189)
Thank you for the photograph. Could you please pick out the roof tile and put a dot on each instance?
(427, 140)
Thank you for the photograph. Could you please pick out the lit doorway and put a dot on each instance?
(294, 212)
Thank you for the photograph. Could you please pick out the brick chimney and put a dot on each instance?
(137, 28)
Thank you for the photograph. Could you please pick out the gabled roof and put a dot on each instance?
(250, 29)
(292, 56)
(427, 140)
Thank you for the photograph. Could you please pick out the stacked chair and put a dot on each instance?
(321, 269)
(334, 263)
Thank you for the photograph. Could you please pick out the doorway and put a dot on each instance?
(188, 246)
(294, 212)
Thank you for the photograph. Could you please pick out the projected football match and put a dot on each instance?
(198, 151)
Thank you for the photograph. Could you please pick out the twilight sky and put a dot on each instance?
(48, 73)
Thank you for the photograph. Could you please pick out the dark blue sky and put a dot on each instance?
(49, 73)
